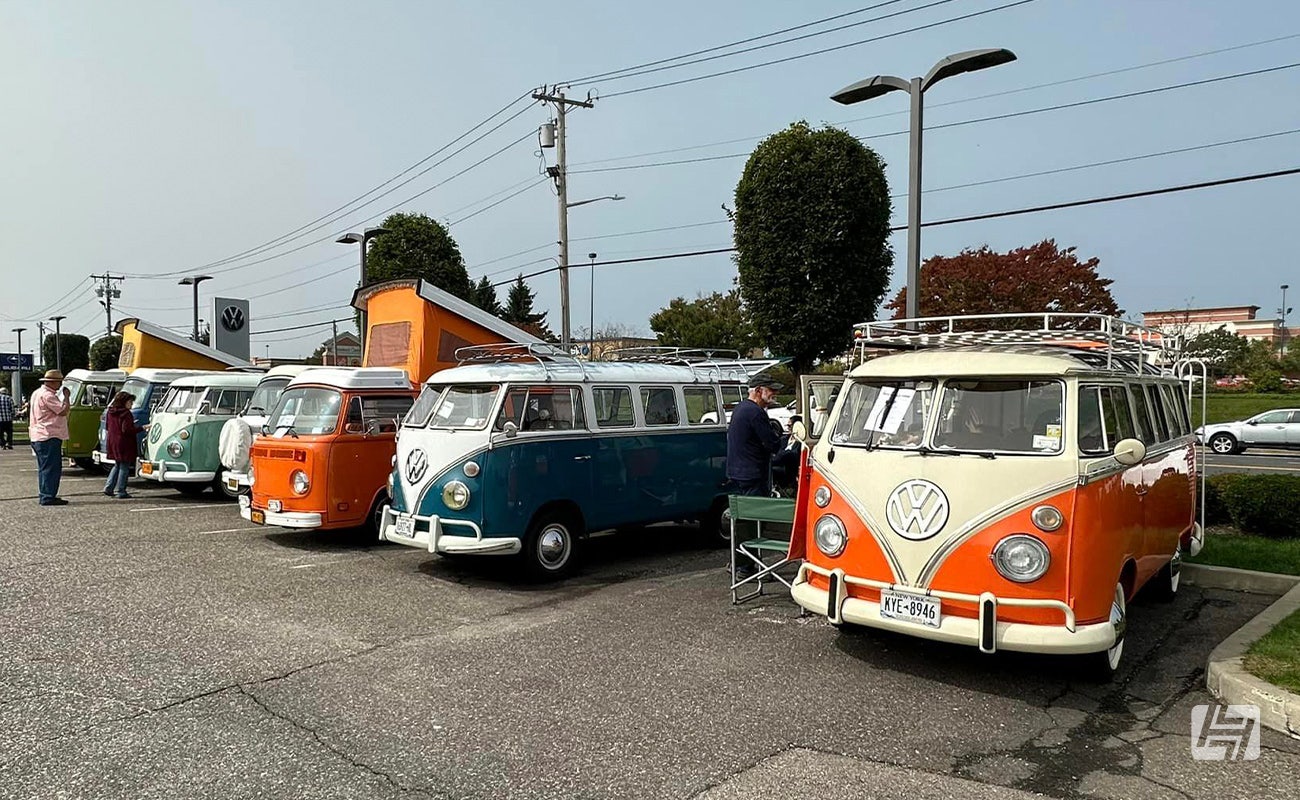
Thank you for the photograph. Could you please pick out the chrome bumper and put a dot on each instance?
(1067, 638)
(280, 519)
(172, 472)
(433, 539)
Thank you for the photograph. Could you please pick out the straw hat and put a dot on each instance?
(52, 375)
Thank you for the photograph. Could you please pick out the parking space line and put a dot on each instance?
(181, 507)
(227, 530)
(1247, 466)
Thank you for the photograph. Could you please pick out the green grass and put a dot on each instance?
(1226, 407)
(1251, 552)
(1276, 657)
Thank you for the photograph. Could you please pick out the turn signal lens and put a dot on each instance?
(471, 469)
(1047, 518)
(184, 434)
(822, 497)
(1021, 558)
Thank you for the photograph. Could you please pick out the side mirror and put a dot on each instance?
(352, 427)
(374, 427)
(799, 431)
(1252, 422)
(1130, 451)
(511, 430)
(265, 429)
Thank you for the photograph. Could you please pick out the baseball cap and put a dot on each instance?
(765, 382)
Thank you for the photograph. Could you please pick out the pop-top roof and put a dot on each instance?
(438, 297)
(171, 337)
(354, 378)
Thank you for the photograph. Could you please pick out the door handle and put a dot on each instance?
(582, 458)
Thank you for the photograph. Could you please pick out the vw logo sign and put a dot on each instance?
(417, 463)
(917, 510)
(232, 319)
(155, 434)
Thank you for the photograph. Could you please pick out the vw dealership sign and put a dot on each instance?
(230, 326)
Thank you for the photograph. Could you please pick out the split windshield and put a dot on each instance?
(986, 415)
(183, 399)
(264, 397)
(458, 407)
(311, 410)
(139, 391)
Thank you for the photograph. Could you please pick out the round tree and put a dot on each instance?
(812, 240)
(417, 246)
(104, 352)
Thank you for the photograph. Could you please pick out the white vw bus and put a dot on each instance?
(1006, 489)
(236, 440)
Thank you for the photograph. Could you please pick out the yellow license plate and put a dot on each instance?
(146, 468)
(258, 516)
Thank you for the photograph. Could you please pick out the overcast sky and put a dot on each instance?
(155, 137)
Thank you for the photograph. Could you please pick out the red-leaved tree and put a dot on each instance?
(1041, 277)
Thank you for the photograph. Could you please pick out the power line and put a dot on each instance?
(301, 327)
(491, 206)
(598, 76)
(959, 123)
(337, 218)
(632, 73)
(819, 52)
(973, 218)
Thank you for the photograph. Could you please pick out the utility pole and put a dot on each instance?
(561, 176)
(108, 292)
(58, 341)
(334, 343)
(40, 345)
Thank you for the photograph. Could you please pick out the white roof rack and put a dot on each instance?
(1124, 346)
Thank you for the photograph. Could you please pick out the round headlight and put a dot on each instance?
(300, 482)
(830, 535)
(174, 449)
(184, 434)
(251, 478)
(822, 496)
(1021, 558)
(471, 469)
(1047, 518)
(455, 495)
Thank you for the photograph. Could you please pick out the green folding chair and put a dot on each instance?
(766, 554)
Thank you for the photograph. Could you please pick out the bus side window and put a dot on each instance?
(512, 409)
(354, 422)
(1119, 423)
(1177, 408)
(553, 408)
(1146, 430)
(1157, 406)
(701, 405)
(660, 404)
(383, 414)
(613, 406)
(1092, 437)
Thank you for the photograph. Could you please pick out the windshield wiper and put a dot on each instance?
(288, 429)
(251, 409)
(884, 414)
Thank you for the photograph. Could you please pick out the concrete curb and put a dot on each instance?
(1238, 580)
(1229, 681)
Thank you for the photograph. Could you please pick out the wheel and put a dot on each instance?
(550, 546)
(1164, 586)
(220, 488)
(1103, 666)
(1223, 443)
(191, 489)
(375, 520)
(715, 528)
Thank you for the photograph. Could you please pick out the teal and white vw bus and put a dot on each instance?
(184, 434)
(148, 386)
(521, 450)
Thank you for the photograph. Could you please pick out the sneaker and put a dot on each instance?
(124, 496)
(108, 492)
(58, 501)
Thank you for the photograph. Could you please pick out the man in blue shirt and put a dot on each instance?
(751, 440)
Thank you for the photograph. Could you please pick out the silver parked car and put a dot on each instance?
(1277, 428)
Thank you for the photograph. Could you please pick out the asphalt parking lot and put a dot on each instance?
(161, 647)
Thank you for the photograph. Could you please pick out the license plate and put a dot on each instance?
(258, 516)
(274, 506)
(908, 607)
(95, 456)
(146, 468)
(405, 526)
(232, 484)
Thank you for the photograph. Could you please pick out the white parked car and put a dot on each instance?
(732, 395)
(1277, 428)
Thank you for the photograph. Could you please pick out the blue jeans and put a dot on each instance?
(116, 483)
(49, 467)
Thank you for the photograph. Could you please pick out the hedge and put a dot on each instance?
(1268, 505)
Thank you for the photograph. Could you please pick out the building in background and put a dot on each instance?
(1241, 320)
(343, 350)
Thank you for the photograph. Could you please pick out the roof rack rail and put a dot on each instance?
(511, 351)
(1126, 346)
(672, 355)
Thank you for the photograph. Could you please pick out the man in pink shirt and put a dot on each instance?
(48, 430)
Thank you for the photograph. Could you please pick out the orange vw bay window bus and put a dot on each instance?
(1002, 489)
(325, 453)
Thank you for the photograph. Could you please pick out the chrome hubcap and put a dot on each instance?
(1118, 620)
(1175, 569)
(553, 546)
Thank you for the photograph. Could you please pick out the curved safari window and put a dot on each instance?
(462, 407)
(309, 410)
(1001, 416)
(890, 414)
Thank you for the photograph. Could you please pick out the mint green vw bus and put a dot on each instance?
(182, 446)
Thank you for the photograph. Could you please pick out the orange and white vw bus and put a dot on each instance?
(325, 453)
(1008, 489)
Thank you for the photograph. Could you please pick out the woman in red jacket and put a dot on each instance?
(120, 439)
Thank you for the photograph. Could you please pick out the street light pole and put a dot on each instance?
(956, 64)
(362, 239)
(17, 381)
(591, 332)
(40, 345)
(195, 280)
(58, 341)
(1285, 312)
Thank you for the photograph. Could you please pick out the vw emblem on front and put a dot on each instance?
(417, 463)
(917, 510)
(232, 319)
(155, 434)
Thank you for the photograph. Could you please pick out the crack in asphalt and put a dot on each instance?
(426, 791)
